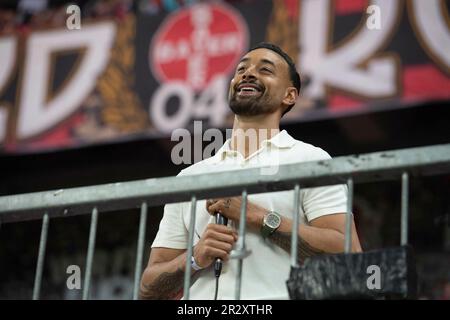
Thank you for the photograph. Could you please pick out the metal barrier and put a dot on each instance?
(387, 165)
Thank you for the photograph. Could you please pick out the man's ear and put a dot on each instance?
(290, 96)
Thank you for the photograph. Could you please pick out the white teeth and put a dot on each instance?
(251, 89)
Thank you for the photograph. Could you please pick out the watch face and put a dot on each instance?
(273, 220)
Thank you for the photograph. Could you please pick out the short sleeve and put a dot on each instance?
(326, 200)
(172, 232)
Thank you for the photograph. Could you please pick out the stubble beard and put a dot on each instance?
(251, 106)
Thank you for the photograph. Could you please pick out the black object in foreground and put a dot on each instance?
(353, 276)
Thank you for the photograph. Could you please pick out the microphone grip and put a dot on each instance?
(220, 219)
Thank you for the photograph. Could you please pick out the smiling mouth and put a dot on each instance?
(248, 90)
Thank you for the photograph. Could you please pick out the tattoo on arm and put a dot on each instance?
(166, 286)
(283, 240)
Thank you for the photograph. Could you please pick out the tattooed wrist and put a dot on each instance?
(166, 286)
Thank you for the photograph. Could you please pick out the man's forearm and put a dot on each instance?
(284, 241)
(166, 286)
(163, 280)
(311, 240)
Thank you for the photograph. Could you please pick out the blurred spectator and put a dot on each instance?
(7, 21)
(32, 6)
(31, 14)
(157, 6)
(116, 8)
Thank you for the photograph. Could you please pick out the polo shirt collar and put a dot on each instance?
(281, 140)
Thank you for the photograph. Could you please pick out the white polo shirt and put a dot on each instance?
(267, 268)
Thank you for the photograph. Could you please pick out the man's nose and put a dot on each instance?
(249, 73)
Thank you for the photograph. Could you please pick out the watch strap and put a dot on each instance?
(266, 230)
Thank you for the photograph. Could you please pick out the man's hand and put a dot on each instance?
(231, 208)
(216, 242)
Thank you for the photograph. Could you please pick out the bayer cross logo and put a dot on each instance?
(198, 43)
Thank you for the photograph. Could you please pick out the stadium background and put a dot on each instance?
(111, 136)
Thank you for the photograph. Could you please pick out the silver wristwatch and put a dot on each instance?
(271, 223)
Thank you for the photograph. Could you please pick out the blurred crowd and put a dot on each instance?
(27, 15)
(23, 15)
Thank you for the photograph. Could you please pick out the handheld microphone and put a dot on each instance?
(220, 219)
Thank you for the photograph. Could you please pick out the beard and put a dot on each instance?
(251, 106)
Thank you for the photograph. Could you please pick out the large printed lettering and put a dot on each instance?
(3, 122)
(432, 29)
(191, 55)
(37, 115)
(212, 103)
(341, 67)
(8, 48)
(158, 106)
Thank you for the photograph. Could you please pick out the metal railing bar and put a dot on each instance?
(241, 244)
(140, 250)
(404, 210)
(377, 166)
(348, 216)
(295, 225)
(187, 272)
(41, 257)
(90, 254)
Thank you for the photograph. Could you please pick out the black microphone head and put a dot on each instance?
(217, 267)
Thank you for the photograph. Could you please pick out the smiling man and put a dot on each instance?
(265, 86)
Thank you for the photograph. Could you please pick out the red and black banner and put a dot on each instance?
(147, 73)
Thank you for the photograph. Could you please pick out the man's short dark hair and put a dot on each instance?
(293, 74)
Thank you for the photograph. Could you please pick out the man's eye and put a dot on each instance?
(265, 69)
(240, 69)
